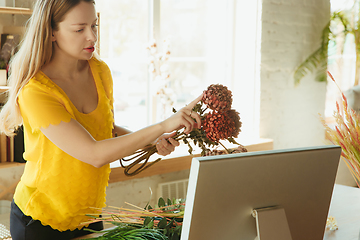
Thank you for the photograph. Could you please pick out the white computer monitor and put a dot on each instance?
(223, 191)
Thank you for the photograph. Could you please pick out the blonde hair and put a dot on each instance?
(34, 53)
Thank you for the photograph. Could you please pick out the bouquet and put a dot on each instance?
(346, 134)
(218, 122)
(164, 222)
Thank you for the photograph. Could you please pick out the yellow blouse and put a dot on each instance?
(56, 188)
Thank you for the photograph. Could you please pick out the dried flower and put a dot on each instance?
(217, 97)
(216, 126)
(235, 117)
(215, 152)
(346, 134)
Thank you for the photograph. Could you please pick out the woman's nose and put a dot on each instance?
(92, 35)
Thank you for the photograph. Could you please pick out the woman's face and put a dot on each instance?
(77, 33)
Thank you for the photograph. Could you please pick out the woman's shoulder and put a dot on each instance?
(39, 84)
(39, 80)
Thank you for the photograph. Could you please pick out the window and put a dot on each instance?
(209, 43)
(340, 64)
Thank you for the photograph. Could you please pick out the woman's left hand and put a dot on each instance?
(165, 144)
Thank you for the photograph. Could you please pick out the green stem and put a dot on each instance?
(227, 150)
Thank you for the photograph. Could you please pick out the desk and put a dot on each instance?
(345, 207)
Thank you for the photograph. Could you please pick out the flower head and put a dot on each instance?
(217, 97)
(221, 125)
(234, 116)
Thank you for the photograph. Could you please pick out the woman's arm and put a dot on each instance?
(165, 144)
(119, 131)
(73, 138)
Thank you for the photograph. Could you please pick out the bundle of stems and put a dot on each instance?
(218, 122)
(161, 223)
(346, 134)
(140, 159)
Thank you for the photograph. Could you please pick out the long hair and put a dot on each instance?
(35, 51)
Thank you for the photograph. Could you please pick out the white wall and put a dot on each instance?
(291, 31)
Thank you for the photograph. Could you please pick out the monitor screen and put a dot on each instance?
(223, 191)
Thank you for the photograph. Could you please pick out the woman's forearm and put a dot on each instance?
(73, 139)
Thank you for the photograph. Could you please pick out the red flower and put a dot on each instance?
(221, 125)
(234, 116)
(217, 97)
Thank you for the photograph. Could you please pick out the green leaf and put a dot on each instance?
(169, 202)
(151, 224)
(162, 224)
(161, 202)
(316, 61)
(176, 236)
(147, 221)
(232, 140)
(178, 228)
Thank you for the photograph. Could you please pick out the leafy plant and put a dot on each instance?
(316, 61)
(130, 232)
(341, 25)
(164, 222)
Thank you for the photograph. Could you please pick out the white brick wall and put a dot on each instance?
(291, 30)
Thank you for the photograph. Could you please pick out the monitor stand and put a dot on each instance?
(271, 223)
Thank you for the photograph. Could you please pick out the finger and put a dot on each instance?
(192, 104)
(188, 123)
(196, 116)
(170, 135)
(165, 147)
(160, 148)
(173, 142)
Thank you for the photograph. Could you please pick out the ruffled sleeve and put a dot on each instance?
(42, 105)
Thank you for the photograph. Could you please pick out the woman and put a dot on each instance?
(62, 95)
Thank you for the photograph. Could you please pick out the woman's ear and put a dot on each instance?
(53, 38)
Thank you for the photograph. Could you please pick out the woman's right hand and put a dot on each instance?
(184, 118)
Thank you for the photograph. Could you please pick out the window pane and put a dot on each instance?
(186, 22)
(123, 41)
(198, 32)
(341, 62)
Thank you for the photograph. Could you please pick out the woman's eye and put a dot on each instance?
(80, 30)
(94, 26)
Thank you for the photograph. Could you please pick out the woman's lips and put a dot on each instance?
(90, 49)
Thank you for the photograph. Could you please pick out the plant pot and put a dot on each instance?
(3, 77)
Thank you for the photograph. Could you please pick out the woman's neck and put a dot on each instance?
(65, 68)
